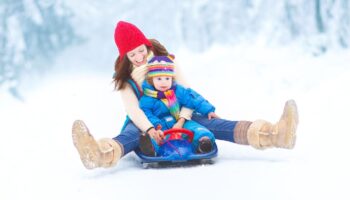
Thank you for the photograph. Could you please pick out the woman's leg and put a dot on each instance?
(232, 131)
(128, 138)
(94, 153)
(260, 134)
(105, 152)
(221, 128)
(282, 134)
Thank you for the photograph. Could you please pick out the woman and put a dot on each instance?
(130, 67)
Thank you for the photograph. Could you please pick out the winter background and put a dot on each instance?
(246, 56)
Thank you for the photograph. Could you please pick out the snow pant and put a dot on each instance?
(221, 128)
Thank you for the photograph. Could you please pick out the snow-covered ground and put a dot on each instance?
(38, 159)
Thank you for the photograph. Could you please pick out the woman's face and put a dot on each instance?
(138, 56)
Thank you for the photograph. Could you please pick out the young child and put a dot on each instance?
(162, 101)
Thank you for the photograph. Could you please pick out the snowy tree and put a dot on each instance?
(198, 24)
(32, 31)
(318, 25)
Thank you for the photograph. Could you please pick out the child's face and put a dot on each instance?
(162, 83)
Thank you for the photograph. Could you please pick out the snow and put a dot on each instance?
(245, 82)
(266, 59)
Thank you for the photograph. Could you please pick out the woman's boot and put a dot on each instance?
(262, 134)
(102, 153)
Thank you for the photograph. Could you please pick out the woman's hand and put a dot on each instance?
(179, 123)
(157, 135)
(212, 115)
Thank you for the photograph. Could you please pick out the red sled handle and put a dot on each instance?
(173, 131)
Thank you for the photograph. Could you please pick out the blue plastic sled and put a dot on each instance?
(177, 150)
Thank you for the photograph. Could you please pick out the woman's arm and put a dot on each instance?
(185, 113)
(131, 105)
(179, 77)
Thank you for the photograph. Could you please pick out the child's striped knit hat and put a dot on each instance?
(161, 66)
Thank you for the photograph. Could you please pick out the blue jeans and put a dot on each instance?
(129, 137)
(221, 128)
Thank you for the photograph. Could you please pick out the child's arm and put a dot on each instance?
(191, 99)
(180, 122)
(146, 104)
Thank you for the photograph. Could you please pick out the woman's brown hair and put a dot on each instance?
(123, 68)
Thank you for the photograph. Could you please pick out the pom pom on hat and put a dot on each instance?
(161, 66)
(127, 37)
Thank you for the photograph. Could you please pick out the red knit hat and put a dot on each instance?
(127, 37)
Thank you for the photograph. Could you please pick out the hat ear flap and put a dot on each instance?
(171, 57)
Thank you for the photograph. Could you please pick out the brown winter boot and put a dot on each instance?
(103, 153)
(262, 134)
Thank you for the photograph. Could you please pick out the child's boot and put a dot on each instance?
(102, 153)
(262, 134)
(146, 145)
(205, 145)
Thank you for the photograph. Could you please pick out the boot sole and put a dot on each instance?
(86, 145)
(291, 118)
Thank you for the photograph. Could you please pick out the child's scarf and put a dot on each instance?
(168, 98)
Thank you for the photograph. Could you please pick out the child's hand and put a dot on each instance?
(179, 123)
(212, 115)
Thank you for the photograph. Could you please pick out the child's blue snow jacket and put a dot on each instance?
(159, 114)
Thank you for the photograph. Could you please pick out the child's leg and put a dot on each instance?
(199, 132)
